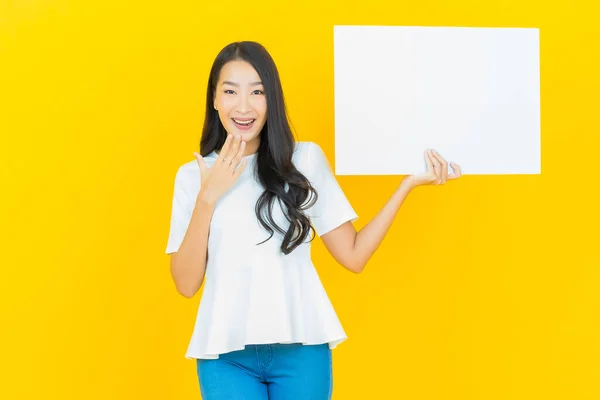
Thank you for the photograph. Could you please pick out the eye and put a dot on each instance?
(259, 92)
(228, 90)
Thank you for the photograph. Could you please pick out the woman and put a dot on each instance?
(244, 214)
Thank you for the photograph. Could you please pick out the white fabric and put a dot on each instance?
(256, 294)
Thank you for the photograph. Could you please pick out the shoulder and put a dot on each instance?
(308, 156)
(301, 158)
(305, 148)
(187, 171)
(310, 159)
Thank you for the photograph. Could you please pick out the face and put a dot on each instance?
(241, 102)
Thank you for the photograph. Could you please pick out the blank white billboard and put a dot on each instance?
(473, 94)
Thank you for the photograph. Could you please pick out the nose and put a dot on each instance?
(244, 105)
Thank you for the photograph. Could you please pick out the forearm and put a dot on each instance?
(188, 264)
(371, 235)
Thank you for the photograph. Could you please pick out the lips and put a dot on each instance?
(243, 123)
(243, 120)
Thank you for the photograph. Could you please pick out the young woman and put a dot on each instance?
(244, 214)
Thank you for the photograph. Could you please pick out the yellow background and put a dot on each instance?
(486, 288)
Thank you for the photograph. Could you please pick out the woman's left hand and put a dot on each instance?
(437, 171)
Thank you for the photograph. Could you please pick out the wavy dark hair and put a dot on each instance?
(274, 167)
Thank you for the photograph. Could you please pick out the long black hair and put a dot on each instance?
(275, 169)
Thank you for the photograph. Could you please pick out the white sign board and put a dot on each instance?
(473, 94)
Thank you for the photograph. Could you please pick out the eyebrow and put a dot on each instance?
(236, 84)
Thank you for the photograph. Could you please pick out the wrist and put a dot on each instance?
(408, 183)
(205, 199)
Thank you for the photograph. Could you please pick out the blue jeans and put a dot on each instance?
(268, 371)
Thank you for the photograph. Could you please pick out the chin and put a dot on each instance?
(246, 135)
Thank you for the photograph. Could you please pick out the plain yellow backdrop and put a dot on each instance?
(485, 288)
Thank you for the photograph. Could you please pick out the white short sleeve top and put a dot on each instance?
(255, 294)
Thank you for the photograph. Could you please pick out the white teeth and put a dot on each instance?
(243, 123)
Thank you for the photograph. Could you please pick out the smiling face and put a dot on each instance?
(241, 102)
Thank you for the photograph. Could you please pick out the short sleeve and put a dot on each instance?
(332, 208)
(181, 214)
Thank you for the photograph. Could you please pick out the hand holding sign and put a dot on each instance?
(437, 171)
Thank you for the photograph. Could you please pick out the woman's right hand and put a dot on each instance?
(218, 179)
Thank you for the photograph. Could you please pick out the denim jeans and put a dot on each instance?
(268, 371)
